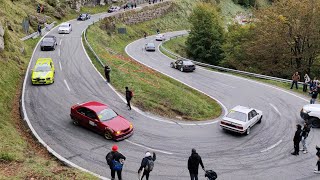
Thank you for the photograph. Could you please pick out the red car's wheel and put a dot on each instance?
(75, 122)
(108, 135)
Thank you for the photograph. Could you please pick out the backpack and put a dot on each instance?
(131, 94)
(149, 166)
(109, 158)
(117, 166)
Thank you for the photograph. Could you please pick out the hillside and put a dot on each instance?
(20, 156)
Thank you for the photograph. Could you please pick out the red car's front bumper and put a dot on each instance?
(123, 135)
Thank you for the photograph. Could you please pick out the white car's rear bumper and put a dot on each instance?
(241, 131)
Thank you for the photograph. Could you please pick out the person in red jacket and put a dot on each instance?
(115, 161)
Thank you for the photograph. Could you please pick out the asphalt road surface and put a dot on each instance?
(264, 154)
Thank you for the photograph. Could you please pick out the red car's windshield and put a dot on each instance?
(107, 114)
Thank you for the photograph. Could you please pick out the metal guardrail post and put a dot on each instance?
(226, 69)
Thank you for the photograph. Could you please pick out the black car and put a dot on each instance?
(183, 65)
(83, 17)
(48, 43)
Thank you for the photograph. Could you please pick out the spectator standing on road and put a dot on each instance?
(147, 164)
(304, 135)
(306, 82)
(296, 140)
(193, 164)
(107, 71)
(115, 161)
(317, 170)
(295, 79)
(158, 31)
(39, 29)
(129, 95)
(314, 95)
(145, 35)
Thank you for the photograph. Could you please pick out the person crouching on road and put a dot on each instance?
(193, 164)
(304, 135)
(147, 164)
(115, 161)
(296, 140)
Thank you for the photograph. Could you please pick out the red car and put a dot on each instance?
(100, 118)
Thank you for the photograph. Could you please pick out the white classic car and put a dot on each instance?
(160, 37)
(65, 28)
(240, 119)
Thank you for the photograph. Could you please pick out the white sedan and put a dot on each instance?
(241, 119)
(160, 37)
(65, 28)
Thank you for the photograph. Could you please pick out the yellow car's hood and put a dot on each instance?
(41, 74)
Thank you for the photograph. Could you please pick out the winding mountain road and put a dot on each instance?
(264, 154)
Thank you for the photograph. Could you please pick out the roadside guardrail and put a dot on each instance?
(223, 68)
(91, 49)
(43, 30)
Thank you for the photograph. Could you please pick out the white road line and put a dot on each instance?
(271, 147)
(140, 145)
(59, 52)
(67, 84)
(60, 42)
(60, 66)
(275, 108)
(34, 132)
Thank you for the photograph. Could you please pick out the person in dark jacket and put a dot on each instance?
(317, 170)
(39, 29)
(145, 163)
(314, 95)
(304, 135)
(107, 71)
(193, 164)
(128, 97)
(296, 140)
(116, 156)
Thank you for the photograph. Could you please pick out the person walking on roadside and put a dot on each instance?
(147, 164)
(39, 29)
(295, 79)
(306, 82)
(296, 140)
(317, 170)
(145, 35)
(129, 95)
(314, 95)
(115, 161)
(193, 164)
(304, 135)
(107, 71)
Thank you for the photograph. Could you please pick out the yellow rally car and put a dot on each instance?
(43, 71)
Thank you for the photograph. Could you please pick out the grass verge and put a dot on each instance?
(153, 91)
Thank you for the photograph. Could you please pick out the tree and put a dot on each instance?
(287, 37)
(206, 36)
(234, 49)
